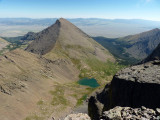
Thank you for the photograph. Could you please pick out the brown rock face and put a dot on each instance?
(134, 87)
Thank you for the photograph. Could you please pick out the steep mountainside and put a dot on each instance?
(118, 49)
(133, 48)
(3, 43)
(43, 82)
(155, 55)
(143, 44)
(26, 79)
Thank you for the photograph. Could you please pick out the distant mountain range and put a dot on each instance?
(132, 48)
(11, 27)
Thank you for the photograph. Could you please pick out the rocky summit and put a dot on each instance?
(134, 87)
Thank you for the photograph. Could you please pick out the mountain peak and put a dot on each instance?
(61, 21)
(64, 36)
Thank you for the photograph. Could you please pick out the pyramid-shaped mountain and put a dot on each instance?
(66, 37)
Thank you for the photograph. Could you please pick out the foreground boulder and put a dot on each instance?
(134, 87)
(79, 116)
(128, 113)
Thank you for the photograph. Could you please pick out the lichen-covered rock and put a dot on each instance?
(134, 87)
(128, 113)
(79, 116)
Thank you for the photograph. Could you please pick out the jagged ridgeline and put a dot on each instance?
(43, 77)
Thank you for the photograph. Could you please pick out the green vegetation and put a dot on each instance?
(10, 47)
(13, 39)
(40, 102)
(88, 82)
(101, 71)
(34, 117)
(109, 68)
(15, 42)
(81, 100)
(58, 96)
(76, 62)
(117, 48)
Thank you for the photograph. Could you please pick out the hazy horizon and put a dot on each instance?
(104, 9)
(11, 27)
(78, 18)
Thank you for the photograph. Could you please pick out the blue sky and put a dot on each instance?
(112, 9)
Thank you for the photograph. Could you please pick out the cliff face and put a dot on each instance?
(134, 87)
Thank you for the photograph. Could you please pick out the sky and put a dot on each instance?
(109, 9)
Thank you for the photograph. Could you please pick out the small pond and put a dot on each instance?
(89, 82)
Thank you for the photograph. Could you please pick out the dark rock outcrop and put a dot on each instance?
(134, 87)
(29, 37)
(45, 40)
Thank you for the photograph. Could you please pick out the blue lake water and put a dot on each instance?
(89, 82)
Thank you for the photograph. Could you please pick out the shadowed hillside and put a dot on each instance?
(134, 48)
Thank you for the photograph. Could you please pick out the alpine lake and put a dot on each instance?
(89, 82)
